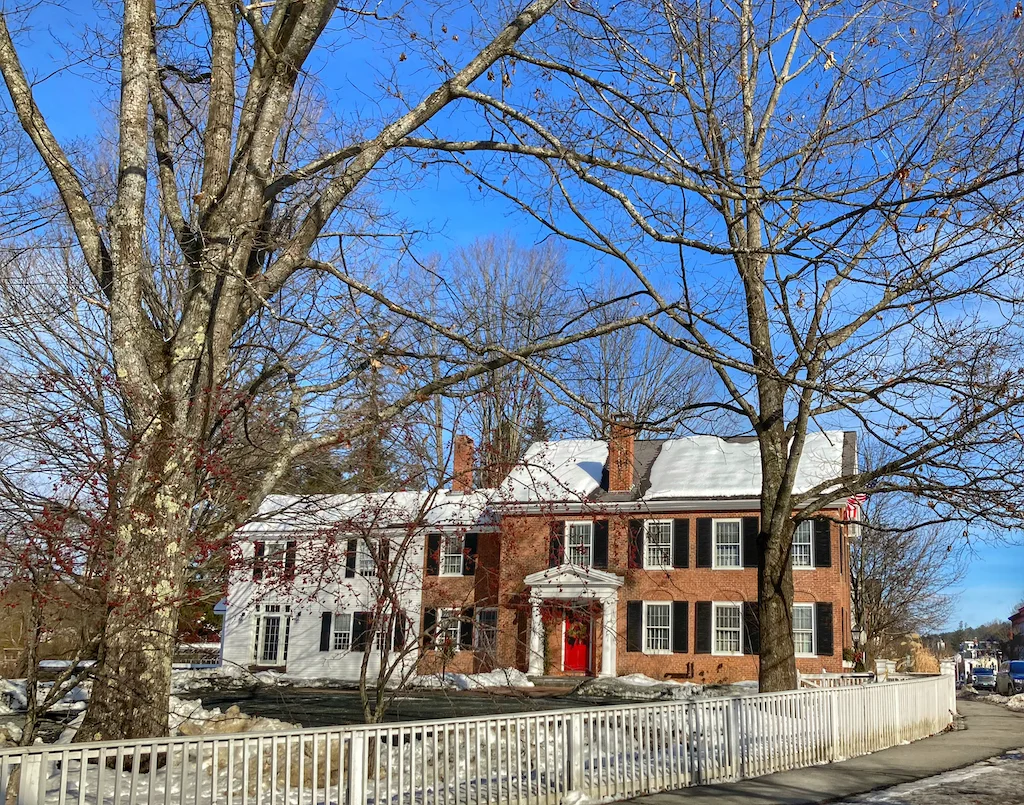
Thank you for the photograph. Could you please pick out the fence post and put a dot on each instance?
(734, 721)
(357, 771)
(833, 720)
(574, 754)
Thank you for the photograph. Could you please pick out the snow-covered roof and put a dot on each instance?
(690, 468)
(712, 467)
(564, 470)
(441, 509)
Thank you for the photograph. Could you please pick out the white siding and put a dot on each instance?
(308, 600)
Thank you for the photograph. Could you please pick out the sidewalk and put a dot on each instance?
(991, 730)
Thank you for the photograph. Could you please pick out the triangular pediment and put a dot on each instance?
(574, 576)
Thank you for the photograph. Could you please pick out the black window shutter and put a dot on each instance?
(702, 636)
(823, 629)
(429, 621)
(361, 636)
(433, 554)
(600, 559)
(751, 628)
(681, 543)
(350, 558)
(399, 632)
(466, 629)
(704, 548)
(556, 545)
(634, 626)
(289, 559)
(469, 551)
(636, 543)
(822, 542)
(325, 631)
(257, 562)
(750, 529)
(680, 626)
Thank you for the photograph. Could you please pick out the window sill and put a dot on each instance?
(806, 656)
(452, 575)
(728, 654)
(731, 567)
(661, 652)
(804, 567)
(658, 567)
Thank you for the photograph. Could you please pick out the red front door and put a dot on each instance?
(577, 643)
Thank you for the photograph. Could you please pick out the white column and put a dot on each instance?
(609, 637)
(535, 665)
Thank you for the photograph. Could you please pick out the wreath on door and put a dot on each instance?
(577, 631)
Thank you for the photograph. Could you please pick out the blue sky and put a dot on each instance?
(453, 211)
(994, 583)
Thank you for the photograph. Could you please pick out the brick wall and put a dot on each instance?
(522, 548)
(525, 550)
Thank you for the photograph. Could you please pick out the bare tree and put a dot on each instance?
(825, 198)
(903, 574)
(633, 371)
(211, 258)
(506, 294)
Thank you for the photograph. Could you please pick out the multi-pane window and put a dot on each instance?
(448, 629)
(579, 544)
(452, 555)
(273, 625)
(658, 544)
(365, 564)
(803, 628)
(728, 628)
(802, 541)
(485, 636)
(342, 631)
(657, 628)
(727, 543)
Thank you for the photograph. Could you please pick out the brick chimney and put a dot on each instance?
(620, 455)
(462, 464)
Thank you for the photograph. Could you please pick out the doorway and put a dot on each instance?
(578, 641)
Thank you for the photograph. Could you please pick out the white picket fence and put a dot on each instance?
(834, 680)
(525, 759)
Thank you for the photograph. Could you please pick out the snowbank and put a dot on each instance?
(14, 697)
(501, 678)
(1016, 703)
(638, 687)
(230, 677)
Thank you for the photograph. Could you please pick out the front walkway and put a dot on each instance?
(991, 730)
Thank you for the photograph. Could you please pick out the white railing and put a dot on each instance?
(526, 759)
(834, 680)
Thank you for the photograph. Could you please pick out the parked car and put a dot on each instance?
(1010, 679)
(984, 678)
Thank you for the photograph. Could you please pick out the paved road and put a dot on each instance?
(991, 730)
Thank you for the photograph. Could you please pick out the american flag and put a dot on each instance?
(853, 506)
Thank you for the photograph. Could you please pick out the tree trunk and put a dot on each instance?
(144, 594)
(775, 593)
(774, 572)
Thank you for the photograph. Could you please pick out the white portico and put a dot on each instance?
(571, 583)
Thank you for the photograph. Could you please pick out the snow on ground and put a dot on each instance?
(997, 781)
(637, 687)
(14, 699)
(501, 678)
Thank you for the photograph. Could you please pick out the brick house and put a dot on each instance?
(1017, 634)
(635, 556)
